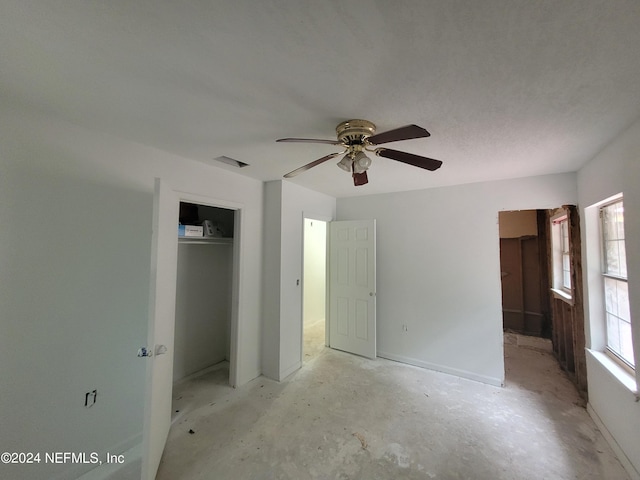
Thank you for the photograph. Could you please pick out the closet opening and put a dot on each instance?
(314, 295)
(204, 289)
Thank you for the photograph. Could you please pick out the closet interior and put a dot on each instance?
(203, 293)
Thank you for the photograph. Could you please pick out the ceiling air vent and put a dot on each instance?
(231, 161)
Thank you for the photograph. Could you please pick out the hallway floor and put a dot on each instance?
(347, 417)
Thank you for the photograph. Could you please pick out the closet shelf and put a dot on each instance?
(205, 240)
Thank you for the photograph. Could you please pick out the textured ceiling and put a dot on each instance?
(507, 88)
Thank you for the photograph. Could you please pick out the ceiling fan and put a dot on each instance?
(357, 137)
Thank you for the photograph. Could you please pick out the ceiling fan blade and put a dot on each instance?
(308, 140)
(306, 167)
(403, 133)
(409, 158)
(360, 179)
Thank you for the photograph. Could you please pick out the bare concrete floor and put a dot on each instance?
(314, 340)
(346, 417)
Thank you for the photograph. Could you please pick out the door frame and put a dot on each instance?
(236, 288)
(235, 276)
(327, 220)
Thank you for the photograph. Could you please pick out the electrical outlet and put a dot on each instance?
(90, 398)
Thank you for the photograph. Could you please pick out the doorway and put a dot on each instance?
(524, 273)
(341, 255)
(314, 282)
(202, 335)
(162, 303)
(541, 270)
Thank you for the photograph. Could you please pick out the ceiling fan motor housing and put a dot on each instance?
(353, 132)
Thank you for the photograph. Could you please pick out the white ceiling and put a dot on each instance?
(507, 88)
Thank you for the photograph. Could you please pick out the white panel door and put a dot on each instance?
(352, 287)
(162, 307)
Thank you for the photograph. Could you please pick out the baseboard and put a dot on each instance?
(216, 366)
(497, 382)
(622, 457)
(313, 323)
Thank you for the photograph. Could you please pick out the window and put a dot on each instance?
(561, 257)
(614, 272)
(566, 263)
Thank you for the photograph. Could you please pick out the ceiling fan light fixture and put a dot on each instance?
(356, 137)
(361, 163)
(345, 163)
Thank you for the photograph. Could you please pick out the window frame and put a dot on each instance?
(560, 225)
(613, 354)
(565, 253)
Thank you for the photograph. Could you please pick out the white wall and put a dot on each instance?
(203, 307)
(315, 278)
(615, 170)
(283, 271)
(438, 265)
(75, 247)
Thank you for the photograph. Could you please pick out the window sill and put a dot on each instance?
(618, 372)
(562, 295)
